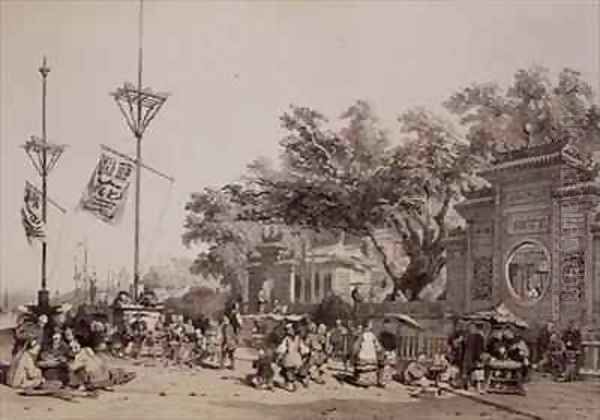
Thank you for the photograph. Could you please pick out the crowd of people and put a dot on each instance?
(560, 353)
(48, 354)
(478, 358)
(75, 352)
(302, 354)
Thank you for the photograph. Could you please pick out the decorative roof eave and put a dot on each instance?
(539, 156)
(580, 188)
(524, 163)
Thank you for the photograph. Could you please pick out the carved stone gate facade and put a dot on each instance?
(531, 239)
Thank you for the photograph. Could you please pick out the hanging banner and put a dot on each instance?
(31, 214)
(106, 192)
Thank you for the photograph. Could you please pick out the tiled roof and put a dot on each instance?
(535, 156)
(530, 152)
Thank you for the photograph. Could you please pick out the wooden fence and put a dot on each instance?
(410, 346)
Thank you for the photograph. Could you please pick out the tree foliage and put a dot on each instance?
(352, 179)
(212, 223)
(534, 109)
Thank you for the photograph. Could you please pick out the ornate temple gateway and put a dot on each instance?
(532, 239)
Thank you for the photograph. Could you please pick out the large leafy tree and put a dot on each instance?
(354, 180)
(212, 224)
(533, 109)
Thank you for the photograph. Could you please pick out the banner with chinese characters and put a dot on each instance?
(31, 214)
(106, 192)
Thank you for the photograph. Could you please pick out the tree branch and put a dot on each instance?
(384, 257)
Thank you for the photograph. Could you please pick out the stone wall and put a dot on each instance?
(525, 212)
(572, 256)
(456, 271)
(528, 205)
(596, 279)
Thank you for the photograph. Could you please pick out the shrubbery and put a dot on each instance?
(332, 308)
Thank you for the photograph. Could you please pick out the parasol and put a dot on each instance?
(406, 319)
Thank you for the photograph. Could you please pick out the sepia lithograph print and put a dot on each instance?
(287, 209)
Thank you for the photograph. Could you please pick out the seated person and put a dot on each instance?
(449, 374)
(54, 359)
(416, 372)
(24, 372)
(86, 369)
(58, 351)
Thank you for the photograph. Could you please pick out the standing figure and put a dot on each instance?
(262, 301)
(518, 350)
(367, 355)
(357, 298)
(338, 340)
(456, 345)
(316, 342)
(235, 317)
(228, 343)
(472, 368)
(542, 355)
(213, 342)
(573, 351)
(199, 346)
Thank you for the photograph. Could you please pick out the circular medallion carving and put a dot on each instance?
(528, 272)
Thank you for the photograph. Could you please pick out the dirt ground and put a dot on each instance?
(160, 393)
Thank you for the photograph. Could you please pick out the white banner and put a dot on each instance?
(31, 214)
(106, 192)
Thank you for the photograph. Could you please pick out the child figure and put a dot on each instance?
(263, 378)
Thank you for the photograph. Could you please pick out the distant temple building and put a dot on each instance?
(532, 238)
(326, 267)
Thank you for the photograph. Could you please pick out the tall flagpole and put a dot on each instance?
(139, 106)
(138, 160)
(44, 156)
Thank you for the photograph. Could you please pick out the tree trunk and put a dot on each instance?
(420, 272)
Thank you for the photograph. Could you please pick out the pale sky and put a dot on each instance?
(232, 68)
